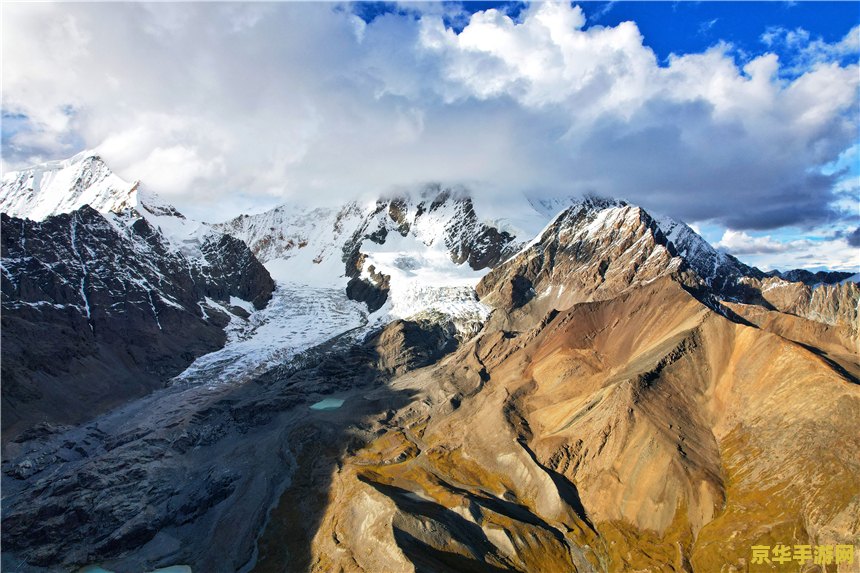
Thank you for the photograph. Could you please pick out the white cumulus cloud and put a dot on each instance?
(766, 252)
(235, 107)
(741, 243)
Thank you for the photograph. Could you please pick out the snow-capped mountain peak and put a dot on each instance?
(64, 186)
(59, 187)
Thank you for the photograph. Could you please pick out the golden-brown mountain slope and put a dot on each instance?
(642, 433)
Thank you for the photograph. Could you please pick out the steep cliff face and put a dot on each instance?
(99, 309)
(441, 220)
(291, 231)
(435, 216)
(229, 269)
(441, 215)
(420, 252)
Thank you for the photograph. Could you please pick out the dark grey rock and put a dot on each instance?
(95, 314)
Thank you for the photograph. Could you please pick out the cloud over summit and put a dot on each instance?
(225, 108)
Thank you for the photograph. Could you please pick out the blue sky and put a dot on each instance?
(738, 117)
(685, 27)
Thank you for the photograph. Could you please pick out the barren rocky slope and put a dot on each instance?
(645, 432)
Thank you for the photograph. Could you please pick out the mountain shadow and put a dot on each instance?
(219, 478)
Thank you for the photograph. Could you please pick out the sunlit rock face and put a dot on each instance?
(638, 432)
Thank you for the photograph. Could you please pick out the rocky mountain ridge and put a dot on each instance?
(608, 394)
(810, 278)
